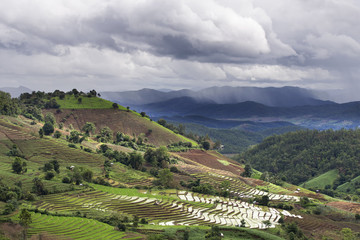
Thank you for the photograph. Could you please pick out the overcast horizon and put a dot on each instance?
(164, 44)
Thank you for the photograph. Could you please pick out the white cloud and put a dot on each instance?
(182, 44)
(329, 45)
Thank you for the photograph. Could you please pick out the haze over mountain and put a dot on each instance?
(271, 96)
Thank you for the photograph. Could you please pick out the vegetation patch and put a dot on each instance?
(322, 181)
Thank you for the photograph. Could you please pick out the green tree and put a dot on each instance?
(49, 175)
(89, 128)
(119, 137)
(165, 177)
(136, 160)
(15, 152)
(150, 156)
(18, 166)
(206, 145)
(242, 223)
(8, 106)
(25, 220)
(264, 201)
(74, 137)
(39, 187)
(87, 175)
(157, 157)
(48, 128)
(214, 234)
(247, 171)
(56, 165)
(106, 134)
(49, 117)
(57, 134)
(115, 106)
(41, 133)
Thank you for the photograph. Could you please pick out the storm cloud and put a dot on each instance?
(179, 44)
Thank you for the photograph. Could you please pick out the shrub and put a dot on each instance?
(66, 180)
(174, 169)
(48, 128)
(88, 150)
(72, 145)
(49, 175)
(57, 134)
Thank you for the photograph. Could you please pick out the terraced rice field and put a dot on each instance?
(241, 189)
(74, 228)
(185, 208)
(27, 183)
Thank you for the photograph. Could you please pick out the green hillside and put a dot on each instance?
(323, 180)
(72, 102)
(351, 186)
(301, 156)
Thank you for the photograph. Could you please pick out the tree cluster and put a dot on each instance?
(300, 156)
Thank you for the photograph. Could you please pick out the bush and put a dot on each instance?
(121, 227)
(174, 169)
(89, 150)
(49, 175)
(48, 128)
(66, 180)
(72, 145)
(57, 134)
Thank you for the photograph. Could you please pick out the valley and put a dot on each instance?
(112, 173)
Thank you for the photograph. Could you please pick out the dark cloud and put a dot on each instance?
(180, 44)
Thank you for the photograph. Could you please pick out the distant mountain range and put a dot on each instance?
(287, 104)
(276, 97)
(241, 116)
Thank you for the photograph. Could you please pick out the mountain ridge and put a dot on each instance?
(284, 96)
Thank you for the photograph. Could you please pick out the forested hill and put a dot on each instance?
(300, 156)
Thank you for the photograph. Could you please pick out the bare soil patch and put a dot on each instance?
(347, 206)
(117, 120)
(210, 160)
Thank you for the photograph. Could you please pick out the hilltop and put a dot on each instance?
(110, 183)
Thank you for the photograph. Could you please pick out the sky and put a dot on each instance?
(112, 45)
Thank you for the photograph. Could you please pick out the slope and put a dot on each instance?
(303, 155)
(119, 121)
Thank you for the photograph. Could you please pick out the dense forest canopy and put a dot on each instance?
(300, 156)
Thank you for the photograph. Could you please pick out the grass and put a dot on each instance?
(226, 163)
(70, 102)
(255, 174)
(321, 181)
(198, 232)
(73, 227)
(349, 186)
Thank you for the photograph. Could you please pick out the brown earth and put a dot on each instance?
(347, 206)
(12, 231)
(118, 121)
(318, 226)
(211, 159)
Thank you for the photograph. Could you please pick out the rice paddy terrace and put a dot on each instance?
(169, 208)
